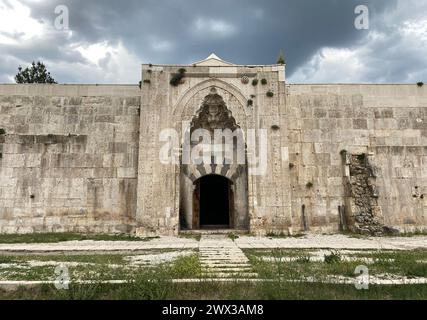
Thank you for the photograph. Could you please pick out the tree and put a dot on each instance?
(37, 73)
(281, 60)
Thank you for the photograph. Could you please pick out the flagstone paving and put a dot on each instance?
(221, 257)
(243, 242)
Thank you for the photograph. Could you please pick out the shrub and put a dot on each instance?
(255, 82)
(270, 94)
(333, 257)
(264, 82)
(233, 236)
(303, 259)
(250, 103)
(420, 84)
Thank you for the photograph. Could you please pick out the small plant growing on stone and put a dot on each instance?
(275, 127)
(233, 236)
(420, 84)
(333, 258)
(270, 94)
(255, 82)
(2, 132)
(177, 78)
(148, 81)
(250, 103)
(253, 96)
(149, 71)
(303, 259)
(309, 185)
(281, 60)
(264, 82)
(361, 157)
(291, 166)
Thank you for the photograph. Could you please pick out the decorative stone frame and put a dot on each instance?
(185, 110)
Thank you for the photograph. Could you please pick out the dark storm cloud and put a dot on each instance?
(171, 31)
(263, 27)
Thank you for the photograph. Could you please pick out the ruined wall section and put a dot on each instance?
(68, 158)
(362, 213)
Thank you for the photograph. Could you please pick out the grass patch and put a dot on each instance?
(106, 266)
(333, 257)
(401, 263)
(186, 267)
(61, 237)
(151, 286)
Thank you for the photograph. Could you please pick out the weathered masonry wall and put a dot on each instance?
(166, 106)
(387, 124)
(68, 158)
(86, 157)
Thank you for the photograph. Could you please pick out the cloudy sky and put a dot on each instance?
(107, 40)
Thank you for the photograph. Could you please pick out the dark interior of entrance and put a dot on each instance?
(214, 202)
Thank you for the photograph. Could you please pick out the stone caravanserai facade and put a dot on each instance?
(127, 158)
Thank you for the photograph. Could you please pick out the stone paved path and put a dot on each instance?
(337, 241)
(222, 258)
(244, 242)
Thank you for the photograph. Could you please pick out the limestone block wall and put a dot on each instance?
(68, 158)
(387, 123)
(86, 157)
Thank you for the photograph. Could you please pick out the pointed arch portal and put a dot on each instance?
(214, 188)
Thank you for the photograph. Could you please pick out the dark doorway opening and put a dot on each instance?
(214, 197)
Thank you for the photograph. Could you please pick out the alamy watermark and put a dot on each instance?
(362, 278)
(62, 18)
(62, 280)
(217, 147)
(361, 22)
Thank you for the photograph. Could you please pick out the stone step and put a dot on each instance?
(242, 261)
(231, 275)
(218, 265)
(228, 270)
